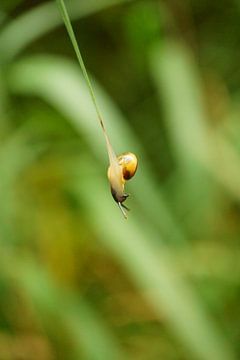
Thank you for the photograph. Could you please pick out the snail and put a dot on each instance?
(122, 169)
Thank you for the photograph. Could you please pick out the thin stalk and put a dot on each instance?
(115, 177)
(67, 22)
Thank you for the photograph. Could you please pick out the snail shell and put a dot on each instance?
(128, 162)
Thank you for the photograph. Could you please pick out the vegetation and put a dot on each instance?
(77, 280)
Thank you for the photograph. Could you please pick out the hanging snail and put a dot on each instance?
(123, 168)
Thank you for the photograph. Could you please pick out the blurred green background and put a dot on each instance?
(77, 281)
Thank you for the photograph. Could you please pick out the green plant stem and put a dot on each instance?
(72, 36)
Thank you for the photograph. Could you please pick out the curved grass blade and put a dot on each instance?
(199, 149)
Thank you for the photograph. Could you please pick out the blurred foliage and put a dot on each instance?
(77, 281)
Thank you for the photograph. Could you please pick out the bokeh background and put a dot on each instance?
(77, 281)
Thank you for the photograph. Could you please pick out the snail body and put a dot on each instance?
(118, 173)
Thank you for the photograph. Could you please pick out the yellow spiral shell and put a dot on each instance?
(128, 162)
